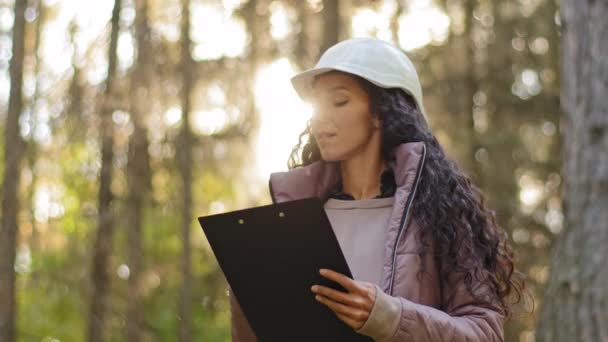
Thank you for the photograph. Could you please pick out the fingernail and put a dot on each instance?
(322, 271)
(314, 288)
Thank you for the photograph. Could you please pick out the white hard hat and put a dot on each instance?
(375, 60)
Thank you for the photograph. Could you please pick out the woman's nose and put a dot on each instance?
(319, 115)
(317, 121)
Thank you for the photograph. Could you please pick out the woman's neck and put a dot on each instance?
(361, 174)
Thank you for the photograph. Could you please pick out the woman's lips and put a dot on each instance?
(325, 136)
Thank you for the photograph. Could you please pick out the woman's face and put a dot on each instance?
(342, 123)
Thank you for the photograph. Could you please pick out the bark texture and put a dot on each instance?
(184, 155)
(105, 220)
(331, 24)
(13, 149)
(138, 170)
(575, 307)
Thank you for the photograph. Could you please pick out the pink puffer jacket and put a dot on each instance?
(429, 310)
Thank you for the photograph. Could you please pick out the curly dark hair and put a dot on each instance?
(448, 208)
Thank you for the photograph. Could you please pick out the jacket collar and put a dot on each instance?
(318, 178)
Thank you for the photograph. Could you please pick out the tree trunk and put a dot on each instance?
(394, 25)
(470, 86)
(331, 24)
(303, 40)
(575, 307)
(138, 170)
(10, 200)
(184, 159)
(32, 148)
(105, 220)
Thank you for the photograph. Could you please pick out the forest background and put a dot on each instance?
(124, 120)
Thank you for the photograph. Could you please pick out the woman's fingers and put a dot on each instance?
(350, 322)
(335, 306)
(354, 307)
(341, 297)
(352, 316)
(349, 284)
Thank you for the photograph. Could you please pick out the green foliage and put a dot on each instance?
(51, 299)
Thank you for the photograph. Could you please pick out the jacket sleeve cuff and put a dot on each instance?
(383, 321)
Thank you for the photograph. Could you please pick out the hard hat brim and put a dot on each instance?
(303, 82)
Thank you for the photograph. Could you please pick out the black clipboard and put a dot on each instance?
(271, 256)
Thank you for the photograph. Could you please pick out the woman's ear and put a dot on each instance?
(377, 122)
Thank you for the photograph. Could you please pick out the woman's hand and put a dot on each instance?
(354, 307)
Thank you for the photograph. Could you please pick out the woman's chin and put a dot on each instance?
(328, 156)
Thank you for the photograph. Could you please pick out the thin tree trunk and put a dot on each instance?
(32, 148)
(331, 24)
(302, 46)
(105, 220)
(395, 22)
(256, 25)
(76, 103)
(575, 306)
(470, 86)
(138, 171)
(10, 199)
(184, 156)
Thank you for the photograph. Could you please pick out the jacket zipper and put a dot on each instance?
(274, 200)
(405, 217)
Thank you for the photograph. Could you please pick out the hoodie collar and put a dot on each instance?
(387, 187)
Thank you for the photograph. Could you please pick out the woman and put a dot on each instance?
(428, 260)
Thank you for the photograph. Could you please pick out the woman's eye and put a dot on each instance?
(340, 103)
